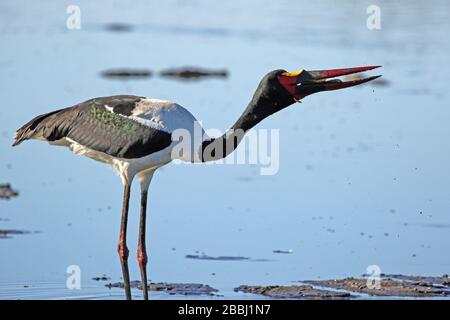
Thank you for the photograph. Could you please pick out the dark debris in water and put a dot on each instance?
(6, 192)
(193, 73)
(221, 258)
(126, 73)
(172, 288)
(290, 251)
(392, 285)
(118, 27)
(103, 277)
(294, 292)
(7, 233)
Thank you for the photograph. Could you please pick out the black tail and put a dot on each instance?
(43, 125)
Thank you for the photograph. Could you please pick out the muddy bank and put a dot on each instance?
(126, 73)
(6, 192)
(222, 258)
(172, 288)
(8, 233)
(438, 282)
(391, 285)
(175, 73)
(293, 292)
(219, 258)
(192, 73)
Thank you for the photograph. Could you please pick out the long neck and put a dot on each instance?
(218, 148)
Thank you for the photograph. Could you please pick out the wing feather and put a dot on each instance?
(101, 124)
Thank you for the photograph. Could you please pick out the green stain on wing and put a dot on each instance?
(113, 120)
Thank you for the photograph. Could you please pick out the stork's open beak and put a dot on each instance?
(302, 83)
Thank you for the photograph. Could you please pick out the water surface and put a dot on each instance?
(364, 173)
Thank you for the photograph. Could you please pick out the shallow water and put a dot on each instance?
(364, 173)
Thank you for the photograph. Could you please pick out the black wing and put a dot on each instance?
(91, 124)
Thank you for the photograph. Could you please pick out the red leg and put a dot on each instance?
(122, 246)
(142, 254)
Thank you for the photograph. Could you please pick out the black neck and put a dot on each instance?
(218, 148)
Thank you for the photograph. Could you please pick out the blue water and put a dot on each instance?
(364, 173)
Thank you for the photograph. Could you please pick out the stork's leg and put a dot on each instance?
(145, 179)
(142, 253)
(122, 247)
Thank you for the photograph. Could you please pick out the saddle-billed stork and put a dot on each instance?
(134, 135)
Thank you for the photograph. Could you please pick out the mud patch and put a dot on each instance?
(126, 73)
(391, 285)
(438, 282)
(193, 73)
(6, 192)
(294, 292)
(187, 289)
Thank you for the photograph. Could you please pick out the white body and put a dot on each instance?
(159, 114)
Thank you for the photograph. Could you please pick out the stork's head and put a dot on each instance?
(280, 88)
